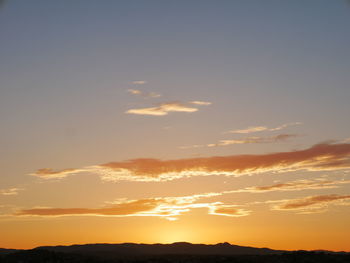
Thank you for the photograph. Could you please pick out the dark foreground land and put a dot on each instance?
(178, 252)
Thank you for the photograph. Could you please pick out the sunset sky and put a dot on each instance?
(162, 121)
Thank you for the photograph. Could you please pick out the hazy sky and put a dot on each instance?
(163, 121)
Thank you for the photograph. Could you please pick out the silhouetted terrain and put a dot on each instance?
(4, 251)
(177, 252)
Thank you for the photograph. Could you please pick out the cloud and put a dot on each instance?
(250, 129)
(264, 128)
(135, 91)
(297, 185)
(122, 209)
(283, 126)
(10, 191)
(320, 157)
(153, 95)
(198, 102)
(310, 204)
(145, 95)
(48, 173)
(248, 140)
(139, 82)
(163, 109)
(347, 140)
(228, 210)
(165, 207)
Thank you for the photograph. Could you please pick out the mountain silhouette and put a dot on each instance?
(171, 253)
(178, 248)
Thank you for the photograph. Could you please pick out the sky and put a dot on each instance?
(165, 121)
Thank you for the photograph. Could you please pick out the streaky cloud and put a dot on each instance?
(320, 157)
(134, 91)
(283, 126)
(138, 82)
(153, 95)
(10, 191)
(297, 185)
(228, 210)
(163, 109)
(247, 140)
(138, 92)
(313, 204)
(198, 102)
(250, 129)
(48, 173)
(164, 207)
(253, 129)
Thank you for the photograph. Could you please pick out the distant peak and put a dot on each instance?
(181, 243)
(224, 244)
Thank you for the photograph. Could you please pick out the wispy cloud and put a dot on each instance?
(313, 204)
(198, 102)
(163, 109)
(253, 129)
(228, 210)
(10, 191)
(321, 157)
(138, 82)
(250, 129)
(153, 95)
(48, 173)
(296, 185)
(135, 91)
(144, 94)
(165, 207)
(172, 207)
(347, 140)
(283, 126)
(248, 140)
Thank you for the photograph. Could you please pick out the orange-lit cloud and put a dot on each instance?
(264, 128)
(228, 210)
(144, 94)
(309, 204)
(297, 185)
(317, 158)
(163, 109)
(10, 191)
(135, 91)
(198, 102)
(248, 140)
(122, 209)
(153, 95)
(166, 207)
(48, 173)
(138, 82)
(172, 207)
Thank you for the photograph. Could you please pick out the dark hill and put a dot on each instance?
(172, 253)
(180, 248)
(4, 251)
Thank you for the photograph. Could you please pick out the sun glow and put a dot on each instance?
(176, 234)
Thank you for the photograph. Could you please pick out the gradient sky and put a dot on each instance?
(163, 121)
